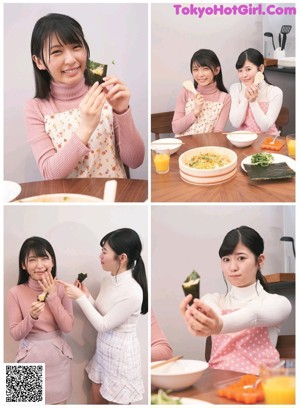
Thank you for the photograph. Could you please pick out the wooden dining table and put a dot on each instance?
(170, 187)
(205, 389)
(128, 190)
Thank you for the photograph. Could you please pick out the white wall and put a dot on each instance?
(188, 237)
(175, 38)
(75, 233)
(116, 32)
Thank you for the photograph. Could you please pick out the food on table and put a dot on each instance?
(161, 162)
(42, 297)
(262, 159)
(267, 143)
(162, 398)
(191, 286)
(189, 86)
(291, 145)
(96, 71)
(208, 161)
(279, 389)
(259, 77)
(237, 391)
(272, 171)
(81, 277)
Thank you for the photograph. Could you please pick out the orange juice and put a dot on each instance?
(162, 162)
(279, 390)
(291, 145)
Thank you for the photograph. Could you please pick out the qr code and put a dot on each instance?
(25, 382)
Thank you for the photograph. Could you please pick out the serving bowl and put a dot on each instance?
(241, 138)
(178, 375)
(208, 176)
(172, 144)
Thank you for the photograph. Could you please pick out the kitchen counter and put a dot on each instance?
(282, 70)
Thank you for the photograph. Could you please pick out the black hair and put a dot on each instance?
(39, 246)
(127, 241)
(207, 58)
(252, 55)
(252, 240)
(67, 31)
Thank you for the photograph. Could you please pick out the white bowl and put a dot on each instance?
(241, 138)
(207, 176)
(178, 375)
(172, 144)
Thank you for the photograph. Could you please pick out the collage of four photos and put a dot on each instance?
(149, 233)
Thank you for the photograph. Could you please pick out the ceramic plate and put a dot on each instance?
(59, 198)
(278, 158)
(11, 190)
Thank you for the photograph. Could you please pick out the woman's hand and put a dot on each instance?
(200, 319)
(199, 102)
(48, 283)
(36, 309)
(71, 290)
(82, 287)
(90, 111)
(117, 94)
(251, 92)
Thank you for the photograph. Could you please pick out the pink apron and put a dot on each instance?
(243, 351)
(208, 116)
(250, 124)
(103, 159)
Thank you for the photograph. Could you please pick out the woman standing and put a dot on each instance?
(115, 369)
(39, 312)
(245, 322)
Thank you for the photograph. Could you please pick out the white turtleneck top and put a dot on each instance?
(253, 307)
(117, 306)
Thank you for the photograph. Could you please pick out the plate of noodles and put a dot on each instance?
(60, 198)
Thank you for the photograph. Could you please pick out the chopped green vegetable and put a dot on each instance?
(162, 398)
(262, 159)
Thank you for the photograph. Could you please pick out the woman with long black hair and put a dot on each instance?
(115, 369)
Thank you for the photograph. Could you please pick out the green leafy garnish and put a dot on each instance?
(262, 159)
(162, 398)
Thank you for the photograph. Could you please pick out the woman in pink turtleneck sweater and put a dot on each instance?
(207, 109)
(39, 325)
(75, 129)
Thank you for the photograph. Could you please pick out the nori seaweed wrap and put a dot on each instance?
(42, 297)
(191, 286)
(96, 71)
(81, 277)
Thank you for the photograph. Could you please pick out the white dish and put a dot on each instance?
(278, 158)
(60, 198)
(178, 375)
(241, 138)
(289, 62)
(11, 190)
(173, 144)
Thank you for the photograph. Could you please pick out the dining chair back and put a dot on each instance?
(286, 346)
(283, 118)
(161, 123)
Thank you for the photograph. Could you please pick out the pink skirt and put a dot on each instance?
(52, 350)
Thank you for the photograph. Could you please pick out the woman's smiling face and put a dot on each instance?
(241, 266)
(247, 73)
(65, 63)
(37, 266)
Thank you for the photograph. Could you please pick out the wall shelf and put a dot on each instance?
(281, 277)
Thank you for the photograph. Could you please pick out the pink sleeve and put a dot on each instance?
(62, 308)
(160, 348)
(128, 140)
(19, 325)
(224, 115)
(52, 164)
(182, 121)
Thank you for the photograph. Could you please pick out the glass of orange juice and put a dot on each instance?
(161, 159)
(291, 145)
(279, 383)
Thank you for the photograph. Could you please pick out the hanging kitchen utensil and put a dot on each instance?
(267, 34)
(285, 29)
